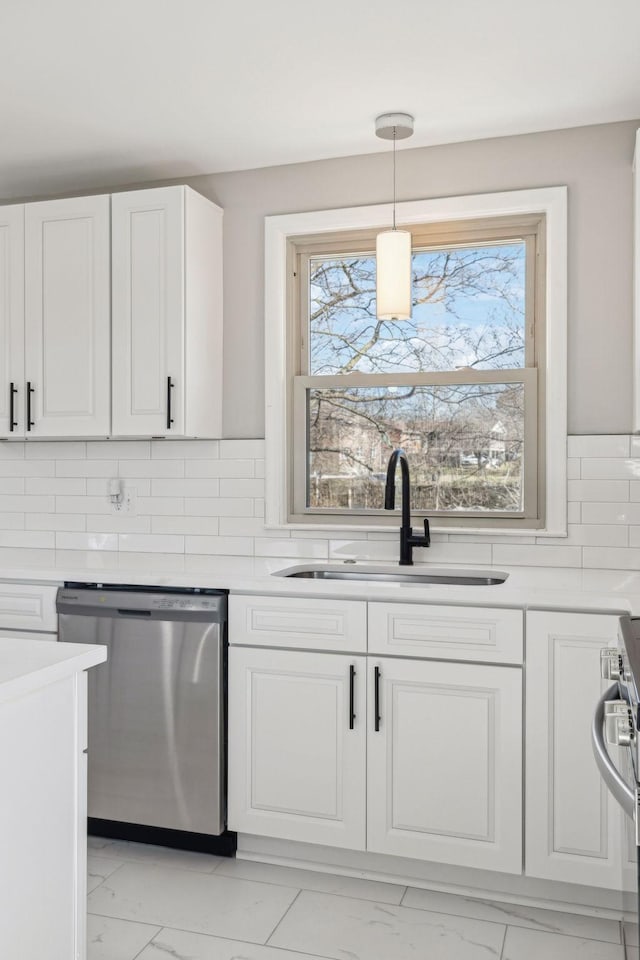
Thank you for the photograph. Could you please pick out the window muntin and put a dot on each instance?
(478, 299)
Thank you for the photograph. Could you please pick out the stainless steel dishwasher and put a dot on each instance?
(156, 708)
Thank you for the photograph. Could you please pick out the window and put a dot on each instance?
(463, 386)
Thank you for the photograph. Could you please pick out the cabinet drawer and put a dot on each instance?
(441, 632)
(25, 606)
(295, 622)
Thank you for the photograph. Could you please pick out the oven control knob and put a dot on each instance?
(618, 723)
(611, 664)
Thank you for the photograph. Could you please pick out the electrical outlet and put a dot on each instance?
(128, 504)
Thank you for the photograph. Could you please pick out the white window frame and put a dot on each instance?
(281, 230)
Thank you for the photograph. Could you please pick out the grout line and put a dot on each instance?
(282, 917)
(504, 940)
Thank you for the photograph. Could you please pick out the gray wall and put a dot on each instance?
(595, 163)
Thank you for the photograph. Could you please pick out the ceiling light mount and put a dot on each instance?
(394, 126)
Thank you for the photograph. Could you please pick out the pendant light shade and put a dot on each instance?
(393, 275)
(393, 247)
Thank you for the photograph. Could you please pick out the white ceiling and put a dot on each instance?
(102, 92)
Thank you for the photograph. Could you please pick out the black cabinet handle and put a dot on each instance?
(376, 697)
(169, 389)
(30, 390)
(12, 392)
(352, 712)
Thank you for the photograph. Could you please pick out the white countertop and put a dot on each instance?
(27, 665)
(546, 587)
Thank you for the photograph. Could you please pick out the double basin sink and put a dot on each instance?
(460, 578)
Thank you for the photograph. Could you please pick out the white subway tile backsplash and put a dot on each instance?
(55, 521)
(27, 468)
(119, 450)
(86, 541)
(242, 488)
(184, 488)
(220, 468)
(150, 543)
(10, 485)
(244, 527)
(13, 521)
(11, 450)
(610, 469)
(118, 523)
(281, 547)
(87, 468)
(150, 468)
(610, 445)
(61, 485)
(239, 449)
(30, 539)
(218, 507)
(185, 525)
(233, 546)
(55, 450)
(160, 506)
(198, 498)
(539, 555)
(185, 449)
(611, 490)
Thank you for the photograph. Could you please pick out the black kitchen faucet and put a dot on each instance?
(408, 540)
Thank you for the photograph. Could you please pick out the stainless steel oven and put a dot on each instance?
(615, 737)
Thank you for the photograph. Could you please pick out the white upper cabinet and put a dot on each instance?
(67, 318)
(167, 314)
(11, 321)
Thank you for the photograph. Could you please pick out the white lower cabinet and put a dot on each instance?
(297, 746)
(437, 777)
(444, 775)
(574, 829)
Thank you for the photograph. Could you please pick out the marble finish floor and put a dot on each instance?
(151, 903)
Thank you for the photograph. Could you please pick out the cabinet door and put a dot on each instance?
(67, 317)
(148, 312)
(296, 759)
(11, 321)
(574, 828)
(445, 764)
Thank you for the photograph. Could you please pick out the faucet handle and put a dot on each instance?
(427, 534)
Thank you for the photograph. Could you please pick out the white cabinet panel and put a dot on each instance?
(296, 763)
(167, 313)
(307, 624)
(573, 826)
(445, 632)
(67, 317)
(11, 320)
(25, 606)
(445, 767)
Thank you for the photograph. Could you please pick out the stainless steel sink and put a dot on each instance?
(461, 578)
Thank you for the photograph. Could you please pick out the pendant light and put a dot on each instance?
(393, 247)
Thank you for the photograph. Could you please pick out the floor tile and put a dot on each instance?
(109, 939)
(199, 902)
(148, 853)
(340, 927)
(98, 869)
(522, 944)
(313, 880)
(550, 921)
(179, 945)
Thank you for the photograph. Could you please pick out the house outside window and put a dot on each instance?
(464, 386)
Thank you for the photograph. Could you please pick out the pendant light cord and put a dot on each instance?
(394, 178)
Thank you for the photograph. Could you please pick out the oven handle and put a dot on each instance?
(615, 783)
